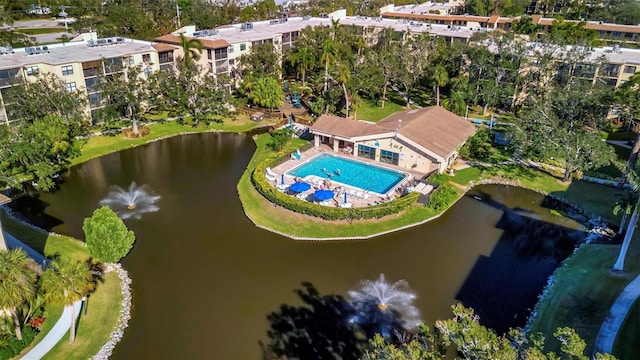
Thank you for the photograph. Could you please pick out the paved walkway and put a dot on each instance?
(54, 335)
(616, 316)
(60, 329)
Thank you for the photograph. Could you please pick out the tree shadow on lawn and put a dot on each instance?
(592, 199)
(325, 327)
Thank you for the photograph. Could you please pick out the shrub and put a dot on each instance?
(280, 138)
(11, 346)
(329, 213)
(479, 146)
(441, 199)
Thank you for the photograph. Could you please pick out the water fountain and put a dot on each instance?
(132, 202)
(382, 307)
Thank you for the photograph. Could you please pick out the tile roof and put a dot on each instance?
(335, 125)
(207, 43)
(164, 47)
(433, 128)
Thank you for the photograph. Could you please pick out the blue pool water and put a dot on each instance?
(349, 172)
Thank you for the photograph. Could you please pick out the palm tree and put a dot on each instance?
(303, 60)
(343, 76)
(455, 103)
(17, 284)
(440, 77)
(633, 177)
(624, 203)
(65, 282)
(329, 54)
(192, 49)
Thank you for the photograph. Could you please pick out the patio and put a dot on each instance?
(356, 197)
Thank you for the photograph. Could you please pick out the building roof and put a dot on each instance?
(335, 125)
(420, 12)
(164, 47)
(67, 53)
(4, 200)
(432, 128)
(209, 43)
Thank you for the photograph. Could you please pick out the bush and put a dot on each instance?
(441, 199)
(11, 346)
(329, 213)
(280, 138)
(479, 146)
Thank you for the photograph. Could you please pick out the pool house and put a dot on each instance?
(421, 140)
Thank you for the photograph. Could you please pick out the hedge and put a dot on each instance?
(326, 212)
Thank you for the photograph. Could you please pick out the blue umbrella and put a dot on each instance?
(345, 197)
(282, 180)
(323, 194)
(300, 186)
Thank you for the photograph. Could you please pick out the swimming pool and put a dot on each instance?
(349, 172)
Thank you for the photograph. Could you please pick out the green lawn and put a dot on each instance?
(372, 110)
(96, 325)
(97, 146)
(105, 302)
(583, 293)
(46, 244)
(627, 345)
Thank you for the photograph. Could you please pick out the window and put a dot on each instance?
(67, 70)
(70, 86)
(90, 84)
(32, 70)
(128, 61)
(209, 54)
(243, 47)
(389, 157)
(232, 62)
(366, 152)
(610, 70)
(94, 100)
(629, 69)
(165, 57)
(230, 49)
(146, 58)
(221, 54)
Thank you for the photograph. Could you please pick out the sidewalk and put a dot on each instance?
(616, 316)
(54, 335)
(60, 329)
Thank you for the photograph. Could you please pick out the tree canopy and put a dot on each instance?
(106, 236)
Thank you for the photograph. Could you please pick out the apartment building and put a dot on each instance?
(79, 64)
(425, 13)
(223, 46)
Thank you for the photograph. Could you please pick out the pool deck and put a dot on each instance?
(356, 196)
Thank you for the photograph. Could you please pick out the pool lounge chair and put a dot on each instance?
(346, 205)
(271, 173)
(270, 177)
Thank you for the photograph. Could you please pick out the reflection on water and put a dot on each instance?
(205, 279)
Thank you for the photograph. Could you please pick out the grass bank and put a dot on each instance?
(95, 328)
(96, 324)
(583, 292)
(97, 146)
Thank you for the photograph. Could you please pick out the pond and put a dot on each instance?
(205, 278)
